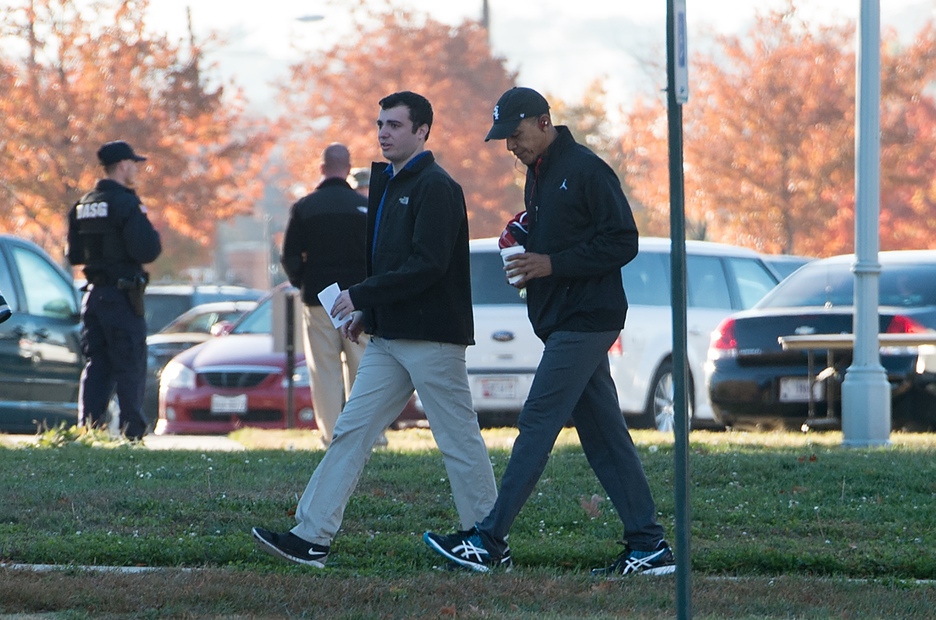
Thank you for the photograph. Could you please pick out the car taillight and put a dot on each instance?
(904, 325)
(723, 342)
(617, 349)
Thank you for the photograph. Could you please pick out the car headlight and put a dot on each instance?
(176, 375)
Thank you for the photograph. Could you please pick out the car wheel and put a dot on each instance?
(660, 413)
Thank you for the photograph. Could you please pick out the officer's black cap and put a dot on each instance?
(115, 152)
(513, 106)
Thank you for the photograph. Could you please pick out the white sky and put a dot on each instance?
(558, 46)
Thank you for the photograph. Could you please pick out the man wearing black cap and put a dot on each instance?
(109, 233)
(580, 233)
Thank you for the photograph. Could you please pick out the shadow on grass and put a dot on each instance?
(523, 594)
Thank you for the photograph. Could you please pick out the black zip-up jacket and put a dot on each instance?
(109, 233)
(418, 282)
(579, 216)
(324, 240)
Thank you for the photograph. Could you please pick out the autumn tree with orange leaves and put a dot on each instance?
(588, 121)
(88, 74)
(770, 134)
(333, 97)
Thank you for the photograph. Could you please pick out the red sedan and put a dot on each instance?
(238, 380)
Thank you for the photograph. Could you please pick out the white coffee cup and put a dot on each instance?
(510, 251)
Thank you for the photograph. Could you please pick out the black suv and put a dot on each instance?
(40, 349)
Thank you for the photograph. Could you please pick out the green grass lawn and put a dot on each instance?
(783, 526)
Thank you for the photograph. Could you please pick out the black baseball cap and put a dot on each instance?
(117, 151)
(513, 106)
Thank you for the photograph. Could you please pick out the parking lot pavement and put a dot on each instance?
(156, 442)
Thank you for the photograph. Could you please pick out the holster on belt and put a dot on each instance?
(135, 288)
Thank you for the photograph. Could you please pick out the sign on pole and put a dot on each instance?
(681, 56)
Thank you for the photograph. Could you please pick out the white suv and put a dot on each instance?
(721, 279)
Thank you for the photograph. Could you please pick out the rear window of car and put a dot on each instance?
(818, 284)
(489, 282)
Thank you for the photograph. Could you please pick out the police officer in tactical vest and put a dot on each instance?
(109, 233)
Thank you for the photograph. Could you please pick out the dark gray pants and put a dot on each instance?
(574, 380)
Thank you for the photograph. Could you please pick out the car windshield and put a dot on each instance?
(257, 321)
(489, 281)
(162, 309)
(832, 284)
(200, 322)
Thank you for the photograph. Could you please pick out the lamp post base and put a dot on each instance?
(866, 408)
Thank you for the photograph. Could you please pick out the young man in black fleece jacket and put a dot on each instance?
(416, 305)
(580, 233)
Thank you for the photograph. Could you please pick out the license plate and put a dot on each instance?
(796, 390)
(228, 404)
(499, 388)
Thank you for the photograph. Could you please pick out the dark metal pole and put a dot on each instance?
(290, 358)
(676, 55)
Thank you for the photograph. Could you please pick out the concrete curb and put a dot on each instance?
(124, 570)
(208, 443)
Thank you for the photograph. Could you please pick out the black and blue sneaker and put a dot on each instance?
(290, 547)
(659, 561)
(466, 548)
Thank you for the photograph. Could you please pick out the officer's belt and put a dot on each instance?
(102, 280)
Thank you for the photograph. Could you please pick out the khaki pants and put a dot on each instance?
(331, 377)
(389, 371)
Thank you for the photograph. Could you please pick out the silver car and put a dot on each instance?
(721, 279)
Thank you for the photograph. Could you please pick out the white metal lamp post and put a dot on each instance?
(866, 413)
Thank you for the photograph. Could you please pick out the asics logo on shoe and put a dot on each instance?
(660, 561)
(469, 551)
(639, 565)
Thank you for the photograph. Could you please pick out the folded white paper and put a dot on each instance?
(328, 296)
